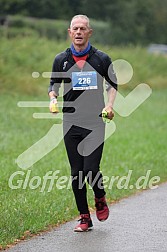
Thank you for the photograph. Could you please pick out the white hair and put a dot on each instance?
(81, 16)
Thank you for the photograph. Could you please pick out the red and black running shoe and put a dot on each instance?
(85, 223)
(102, 210)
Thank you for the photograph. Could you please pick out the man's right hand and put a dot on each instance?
(53, 106)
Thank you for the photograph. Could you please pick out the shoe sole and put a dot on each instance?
(81, 230)
(103, 219)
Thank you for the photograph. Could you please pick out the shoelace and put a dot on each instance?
(100, 205)
(83, 220)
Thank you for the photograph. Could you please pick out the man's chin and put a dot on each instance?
(79, 41)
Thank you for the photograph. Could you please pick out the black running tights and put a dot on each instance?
(84, 158)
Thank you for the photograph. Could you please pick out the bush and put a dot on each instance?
(101, 31)
(12, 32)
(49, 28)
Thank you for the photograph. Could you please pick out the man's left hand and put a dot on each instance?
(110, 112)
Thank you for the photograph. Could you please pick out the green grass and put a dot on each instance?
(139, 143)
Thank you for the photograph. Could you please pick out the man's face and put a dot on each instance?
(79, 32)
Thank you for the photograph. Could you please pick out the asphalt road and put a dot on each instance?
(138, 223)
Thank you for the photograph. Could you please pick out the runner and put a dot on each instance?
(83, 125)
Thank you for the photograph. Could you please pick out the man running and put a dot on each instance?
(83, 125)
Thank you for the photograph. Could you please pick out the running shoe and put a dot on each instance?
(102, 210)
(85, 223)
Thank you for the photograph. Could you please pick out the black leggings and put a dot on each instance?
(84, 160)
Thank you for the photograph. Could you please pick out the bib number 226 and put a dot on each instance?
(84, 80)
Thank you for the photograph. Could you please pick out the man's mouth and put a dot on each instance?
(78, 38)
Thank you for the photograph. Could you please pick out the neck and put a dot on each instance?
(80, 48)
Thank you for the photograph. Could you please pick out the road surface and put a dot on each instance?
(137, 223)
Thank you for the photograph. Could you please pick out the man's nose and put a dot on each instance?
(78, 30)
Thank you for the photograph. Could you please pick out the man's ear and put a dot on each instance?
(90, 32)
(69, 32)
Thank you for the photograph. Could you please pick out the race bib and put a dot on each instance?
(84, 80)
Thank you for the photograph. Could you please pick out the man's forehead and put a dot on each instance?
(79, 22)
